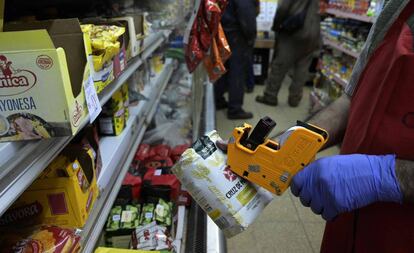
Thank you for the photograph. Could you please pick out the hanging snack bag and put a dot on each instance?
(194, 53)
(213, 63)
(223, 45)
(231, 202)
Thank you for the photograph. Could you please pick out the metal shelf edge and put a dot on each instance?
(337, 46)
(350, 15)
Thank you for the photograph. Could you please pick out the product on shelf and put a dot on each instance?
(360, 7)
(347, 33)
(44, 239)
(133, 183)
(62, 195)
(130, 216)
(230, 201)
(114, 250)
(163, 213)
(151, 237)
(114, 219)
(147, 214)
(31, 108)
(112, 119)
(160, 183)
(108, 50)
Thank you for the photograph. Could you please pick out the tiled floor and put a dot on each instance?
(285, 226)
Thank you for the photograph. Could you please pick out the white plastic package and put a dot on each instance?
(231, 202)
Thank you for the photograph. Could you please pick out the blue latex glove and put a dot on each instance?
(343, 183)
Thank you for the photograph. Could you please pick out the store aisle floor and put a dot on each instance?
(285, 226)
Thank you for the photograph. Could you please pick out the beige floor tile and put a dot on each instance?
(305, 213)
(242, 243)
(283, 237)
(314, 232)
(280, 209)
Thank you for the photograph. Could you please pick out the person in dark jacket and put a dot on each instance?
(239, 24)
(293, 50)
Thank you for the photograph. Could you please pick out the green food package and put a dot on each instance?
(130, 217)
(114, 219)
(163, 213)
(147, 214)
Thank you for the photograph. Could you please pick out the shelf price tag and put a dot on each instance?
(92, 100)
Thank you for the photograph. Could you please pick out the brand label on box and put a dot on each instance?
(32, 105)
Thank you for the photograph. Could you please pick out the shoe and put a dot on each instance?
(267, 100)
(249, 90)
(220, 105)
(242, 114)
(294, 101)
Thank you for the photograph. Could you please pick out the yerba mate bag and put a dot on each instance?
(231, 202)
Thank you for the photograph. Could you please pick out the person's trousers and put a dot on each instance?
(287, 58)
(235, 80)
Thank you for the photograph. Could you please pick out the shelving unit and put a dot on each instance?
(26, 160)
(350, 15)
(335, 77)
(118, 153)
(337, 46)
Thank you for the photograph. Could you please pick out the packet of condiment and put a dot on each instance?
(114, 219)
(147, 214)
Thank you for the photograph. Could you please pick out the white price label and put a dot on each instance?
(126, 216)
(257, 69)
(116, 217)
(92, 100)
(158, 173)
(160, 210)
(148, 215)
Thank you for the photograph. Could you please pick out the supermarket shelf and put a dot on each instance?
(119, 152)
(26, 160)
(335, 77)
(339, 47)
(350, 15)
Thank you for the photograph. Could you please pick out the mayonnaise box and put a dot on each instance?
(43, 66)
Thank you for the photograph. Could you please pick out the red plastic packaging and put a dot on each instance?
(136, 184)
(223, 45)
(153, 178)
(160, 150)
(213, 63)
(157, 162)
(143, 152)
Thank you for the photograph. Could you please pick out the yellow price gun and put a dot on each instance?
(267, 163)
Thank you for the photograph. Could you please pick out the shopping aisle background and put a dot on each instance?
(285, 226)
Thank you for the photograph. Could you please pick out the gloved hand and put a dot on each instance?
(343, 183)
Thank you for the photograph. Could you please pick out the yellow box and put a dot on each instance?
(58, 200)
(41, 79)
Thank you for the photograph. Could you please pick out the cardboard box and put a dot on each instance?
(133, 47)
(62, 195)
(41, 79)
(114, 68)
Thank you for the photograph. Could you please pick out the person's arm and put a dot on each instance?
(281, 13)
(333, 119)
(405, 173)
(246, 15)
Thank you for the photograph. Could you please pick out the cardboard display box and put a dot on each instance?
(134, 28)
(63, 195)
(43, 67)
(114, 68)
